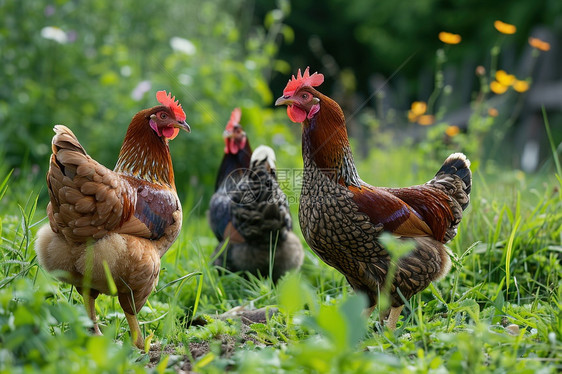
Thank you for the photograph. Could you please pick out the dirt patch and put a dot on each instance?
(183, 363)
(246, 316)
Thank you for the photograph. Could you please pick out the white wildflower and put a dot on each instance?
(54, 33)
(141, 88)
(185, 79)
(182, 45)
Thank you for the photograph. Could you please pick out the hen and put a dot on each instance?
(120, 220)
(260, 239)
(341, 216)
(235, 162)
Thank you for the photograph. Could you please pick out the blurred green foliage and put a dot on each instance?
(93, 65)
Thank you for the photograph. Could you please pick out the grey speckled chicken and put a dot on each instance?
(341, 216)
(261, 223)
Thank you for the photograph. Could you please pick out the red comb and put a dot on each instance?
(170, 101)
(302, 80)
(234, 119)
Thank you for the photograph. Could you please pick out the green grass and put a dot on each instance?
(499, 309)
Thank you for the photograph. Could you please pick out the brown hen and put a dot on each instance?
(341, 216)
(122, 220)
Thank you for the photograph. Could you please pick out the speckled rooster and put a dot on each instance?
(122, 220)
(341, 216)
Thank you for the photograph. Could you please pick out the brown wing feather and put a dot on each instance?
(432, 204)
(393, 213)
(88, 200)
(155, 206)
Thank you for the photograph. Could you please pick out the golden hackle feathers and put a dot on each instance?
(144, 155)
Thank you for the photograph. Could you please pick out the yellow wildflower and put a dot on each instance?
(418, 108)
(426, 120)
(521, 86)
(505, 28)
(504, 78)
(539, 44)
(449, 38)
(452, 131)
(497, 87)
(493, 112)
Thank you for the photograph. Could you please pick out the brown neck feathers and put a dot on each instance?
(326, 143)
(144, 154)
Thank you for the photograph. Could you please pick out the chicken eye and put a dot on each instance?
(304, 96)
(163, 116)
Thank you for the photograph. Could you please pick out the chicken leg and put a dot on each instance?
(136, 333)
(393, 317)
(90, 297)
(90, 304)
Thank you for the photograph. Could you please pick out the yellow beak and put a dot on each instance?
(284, 100)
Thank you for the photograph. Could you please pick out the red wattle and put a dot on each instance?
(168, 132)
(176, 132)
(296, 114)
(233, 147)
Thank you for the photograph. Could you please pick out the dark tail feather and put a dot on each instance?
(459, 165)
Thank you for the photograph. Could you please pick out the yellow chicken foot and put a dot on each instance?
(393, 317)
(136, 334)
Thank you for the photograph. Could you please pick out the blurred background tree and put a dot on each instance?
(93, 65)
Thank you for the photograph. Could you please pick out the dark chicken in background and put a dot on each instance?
(121, 220)
(253, 228)
(261, 239)
(236, 160)
(341, 216)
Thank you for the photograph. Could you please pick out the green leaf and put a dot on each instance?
(294, 294)
(353, 311)
(395, 246)
(161, 367)
(334, 325)
(203, 361)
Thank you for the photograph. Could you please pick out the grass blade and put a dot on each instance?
(551, 141)
(4, 184)
(509, 252)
